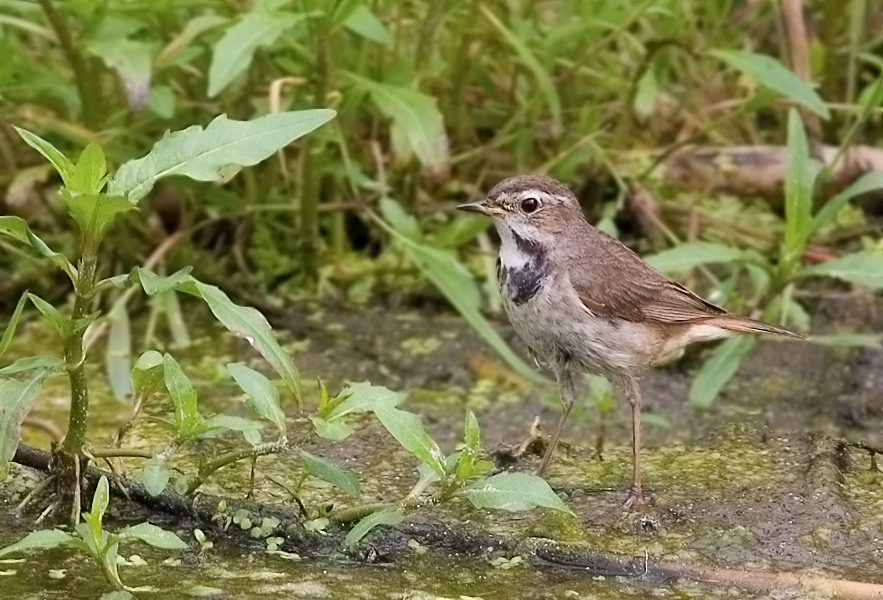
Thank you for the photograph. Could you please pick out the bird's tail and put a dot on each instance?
(745, 325)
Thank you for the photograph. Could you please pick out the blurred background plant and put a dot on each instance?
(669, 119)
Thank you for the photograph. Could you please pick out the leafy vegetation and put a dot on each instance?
(433, 102)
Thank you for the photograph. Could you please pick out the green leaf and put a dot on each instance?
(183, 396)
(133, 62)
(248, 323)
(171, 308)
(861, 268)
(17, 229)
(394, 214)
(100, 500)
(233, 53)
(118, 358)
(118, 595)
(148, 374)
(332, 472)
(692, 254)
(155, 476)
(157, 284)
(407, 429)
(357, 398)
(50, 363)
(193, 29)
(153, 535)
(16, 399)
(250, 430)
(89, 174)
(460, 231)
(9, 332)
(331, 430)
(458, 286)
(513, 492)
(417, 123)
(216, 152)
(769, 72)
(59, 322)
(387, 516)
(868, 182)
(61, 163)
(718, 369)
(38, 540)
(94, 212)
(362, 21)
(472, 446)
(800, 175)
(263, 397)
(542, 77)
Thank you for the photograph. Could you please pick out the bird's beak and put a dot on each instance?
(479, 206)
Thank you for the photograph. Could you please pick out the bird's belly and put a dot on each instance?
(558, 334)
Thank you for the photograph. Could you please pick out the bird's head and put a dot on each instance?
(533, 207)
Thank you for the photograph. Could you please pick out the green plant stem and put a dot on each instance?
(121, 453)
(206, 470)
(356, 513)
(75, 362)
(84, 76)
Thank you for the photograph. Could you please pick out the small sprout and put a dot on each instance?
(505, 564)
(273, 543)
(199, 535)
(316, 525)
(256, 532)
(270, 523)
(57, 573)
(416, 546)
(137, 561)
(222, 506)
(240, 515)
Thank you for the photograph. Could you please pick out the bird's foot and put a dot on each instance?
(635, 499)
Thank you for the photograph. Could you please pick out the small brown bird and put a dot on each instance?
(582, 301)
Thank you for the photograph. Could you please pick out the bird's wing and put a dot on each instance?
(616, 282)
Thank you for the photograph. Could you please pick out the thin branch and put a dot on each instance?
(120, 452)
(206, 470)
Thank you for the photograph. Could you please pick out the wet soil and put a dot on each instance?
(773, 476)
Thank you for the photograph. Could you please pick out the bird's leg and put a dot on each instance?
(633, 393)
(568, 394)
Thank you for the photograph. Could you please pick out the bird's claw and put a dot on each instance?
(635, 499)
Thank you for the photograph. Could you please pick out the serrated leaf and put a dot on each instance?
(718, 369)
(332, 472)
(37, 540)
(263, 397)
(693, 254)
(415, 118)
(9, 332)
(155, 476)
(158, 284)
(407, 429)
(860, 268)
(58, 160)
(769, 72)
(153, 535)
(513, 492)
(233, 53)
(387, 516)
(183, 396)
(118, 358)
(209, 154)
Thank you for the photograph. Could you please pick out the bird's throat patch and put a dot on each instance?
(521, 280)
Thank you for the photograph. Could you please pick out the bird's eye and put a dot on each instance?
(530, 204)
